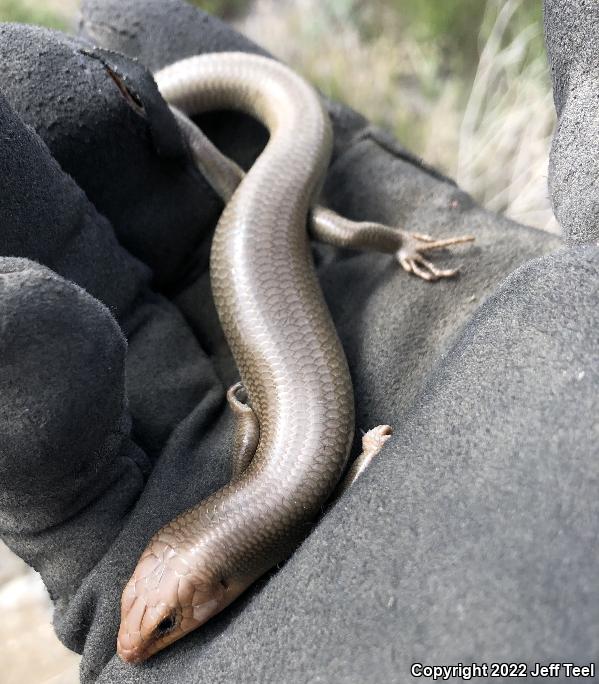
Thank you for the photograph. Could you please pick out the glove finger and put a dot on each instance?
(64, 446)
(46, 217)
(146, 29)
(104, 121)
(570, 32)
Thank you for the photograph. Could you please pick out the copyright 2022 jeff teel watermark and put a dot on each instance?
(502, 670)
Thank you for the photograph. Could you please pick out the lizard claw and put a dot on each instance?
(411, 258)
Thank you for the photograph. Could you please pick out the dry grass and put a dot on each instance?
(57, 14)
(506, 129)
(66, 9)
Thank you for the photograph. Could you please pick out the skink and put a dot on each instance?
(295, 400)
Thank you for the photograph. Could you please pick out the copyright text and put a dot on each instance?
(476, 670)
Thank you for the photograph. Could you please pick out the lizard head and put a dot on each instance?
(166, 598)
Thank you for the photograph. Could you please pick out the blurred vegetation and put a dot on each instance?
(458, 28)
(457, 31)
(31, 13)
(222, 8)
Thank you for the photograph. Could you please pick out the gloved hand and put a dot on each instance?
(571, 30)
(471, 537)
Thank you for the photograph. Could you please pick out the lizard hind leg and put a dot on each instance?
(409, 248)
(247, 430)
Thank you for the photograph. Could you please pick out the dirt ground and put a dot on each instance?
(30, 653)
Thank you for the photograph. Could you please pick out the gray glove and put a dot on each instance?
(572, 36)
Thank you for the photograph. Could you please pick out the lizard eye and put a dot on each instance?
(165, 625)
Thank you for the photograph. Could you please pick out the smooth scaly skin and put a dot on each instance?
(285, 345)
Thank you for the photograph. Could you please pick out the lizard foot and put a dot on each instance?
(414, 245)
(372, 443)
